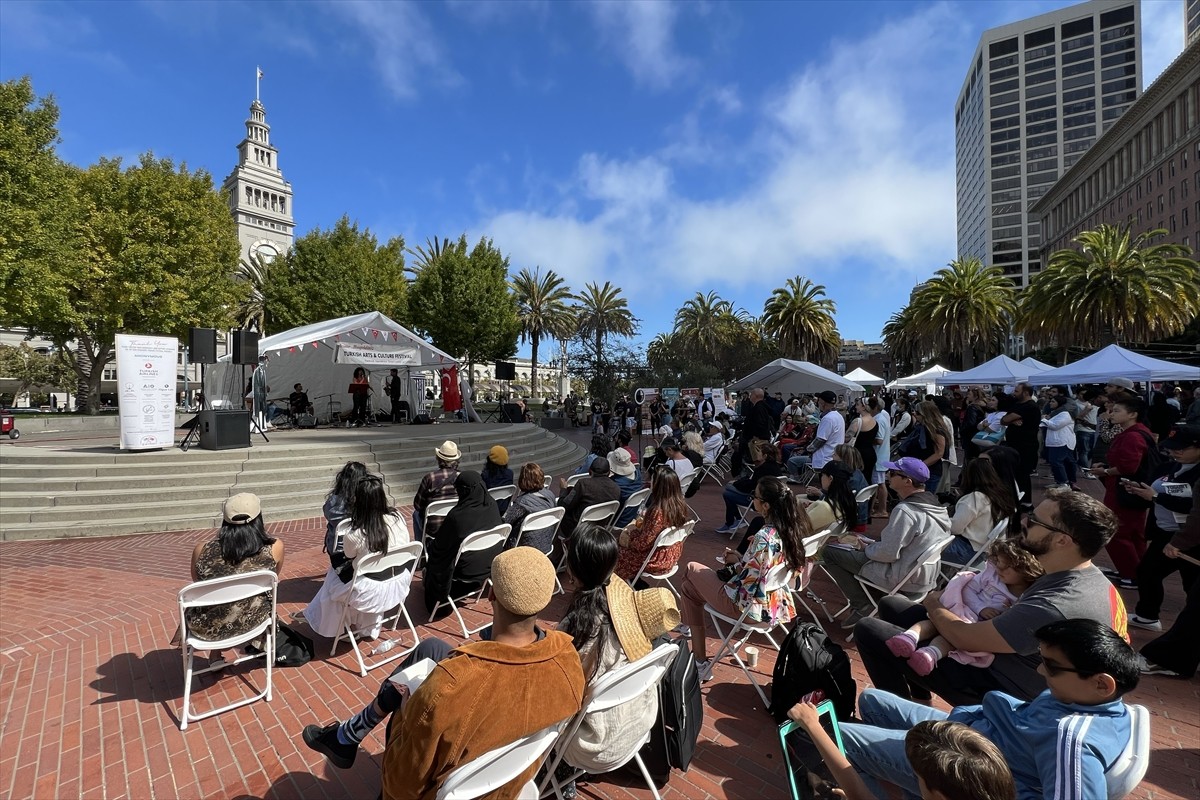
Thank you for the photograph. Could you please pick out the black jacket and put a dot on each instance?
(587, 492)
(476, 511)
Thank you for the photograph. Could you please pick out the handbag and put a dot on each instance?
(292, 648)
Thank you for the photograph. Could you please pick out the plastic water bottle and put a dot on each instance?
(384, 646)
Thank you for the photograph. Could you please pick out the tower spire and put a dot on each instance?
(258, 76)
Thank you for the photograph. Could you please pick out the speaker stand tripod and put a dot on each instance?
(193, 435)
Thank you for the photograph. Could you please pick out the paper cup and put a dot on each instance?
(751, 657)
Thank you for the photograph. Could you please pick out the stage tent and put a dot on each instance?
(922, 380)
(1117, 362)
(1000, 370)
(1032, 362)
(860, 375)
(794, 377)
(307, 355)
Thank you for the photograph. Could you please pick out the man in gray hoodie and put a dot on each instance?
(915, 526)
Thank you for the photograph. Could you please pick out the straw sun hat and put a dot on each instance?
(640, 617)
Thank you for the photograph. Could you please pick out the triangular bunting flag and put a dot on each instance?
(375, 334)
(364, 330)
(395, 336)
(277, 354)
(302, 346)
(291, 349)
(315, 344)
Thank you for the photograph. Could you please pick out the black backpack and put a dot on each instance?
(1148, 468)
(680, 715)
(810, 660)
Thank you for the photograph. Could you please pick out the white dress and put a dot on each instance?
(368, 599)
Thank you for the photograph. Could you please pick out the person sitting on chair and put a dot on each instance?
(481, 695)
(476, 511)
(436, 485)
(298, 402)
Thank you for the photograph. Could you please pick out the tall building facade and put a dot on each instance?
(1191, 22)
(1037, 95)
(259, 198)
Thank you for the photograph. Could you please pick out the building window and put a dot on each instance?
(110, 374)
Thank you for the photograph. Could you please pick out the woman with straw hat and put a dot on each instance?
(612, 626)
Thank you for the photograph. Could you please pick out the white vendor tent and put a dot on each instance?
(925, 379)
(860, 375)
(1001, 370)
(1030, 361)
(1117, 362)
(794, 377)
(323, 357)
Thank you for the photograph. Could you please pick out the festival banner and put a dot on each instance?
(373, 355)
(644, 397)
(146, 378)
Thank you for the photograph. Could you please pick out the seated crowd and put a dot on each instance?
(1029, 646)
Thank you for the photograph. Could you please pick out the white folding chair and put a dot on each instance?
(950, 569)
(406, 557)
(812, 545)
(502, 493)
(539, 521)
(498, 767)
(684, 484)
(611, 690)
(666, 538)
(1130, 767)
(866, 494)
(600, 513)
(435, 514)
(474, 542)
(547, 481)
(215, 592)
(778, 578)
(635, 500)
(932, 555)
(574, 479)
(716, 468)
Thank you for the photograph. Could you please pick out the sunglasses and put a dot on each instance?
(1031, 520)
(1053, 669)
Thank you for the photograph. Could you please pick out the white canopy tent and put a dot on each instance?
(1030, 361)
(860, 375)
(926, 379)
(1117, 362)
(1001, 369)
(795, 377)
(323, 357)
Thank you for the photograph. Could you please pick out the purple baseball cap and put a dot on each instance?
(913, 468)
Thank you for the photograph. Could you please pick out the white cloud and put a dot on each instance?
(407, 51)
(1162, 36)
(641, 33)
(846, 163)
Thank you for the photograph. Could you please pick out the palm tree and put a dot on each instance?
(800, 318)
(1113, 288)
(699, 323)
(251, 313)
(902, 340)
(426, 255)
(965, 306)
(603, 311)
(543, 311)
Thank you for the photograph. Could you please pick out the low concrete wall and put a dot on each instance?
(75, 423)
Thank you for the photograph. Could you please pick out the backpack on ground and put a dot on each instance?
(680, 715)
(1148, 467)
(809, 660)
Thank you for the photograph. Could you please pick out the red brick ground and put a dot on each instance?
(90, 689)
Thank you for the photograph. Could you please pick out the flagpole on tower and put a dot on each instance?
(258, 76)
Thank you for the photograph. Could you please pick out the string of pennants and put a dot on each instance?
(372, 332)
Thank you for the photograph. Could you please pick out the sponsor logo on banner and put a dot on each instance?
(146, 374)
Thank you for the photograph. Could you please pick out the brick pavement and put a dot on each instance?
(90, 688)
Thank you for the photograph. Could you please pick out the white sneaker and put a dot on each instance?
(1147, 624)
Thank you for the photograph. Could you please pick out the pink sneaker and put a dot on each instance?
(924, 660)
(902, 645)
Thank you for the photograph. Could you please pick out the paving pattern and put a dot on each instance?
(90, 689)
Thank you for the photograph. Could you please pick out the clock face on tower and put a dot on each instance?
(266, 251)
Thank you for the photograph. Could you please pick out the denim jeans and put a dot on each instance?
(1062, 464)
(418, 520)
(960, 551)
(796, 464)
(1084, 442)
(733, 498)
(876, 747)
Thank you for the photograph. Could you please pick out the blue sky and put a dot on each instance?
(668, 148)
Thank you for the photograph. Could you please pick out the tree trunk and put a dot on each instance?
(533, 389)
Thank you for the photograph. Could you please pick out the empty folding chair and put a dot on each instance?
(667, 537)
(778, 578)
(215, 592)
(541, 526)
(501, 766)
(474, 542)
(611, 690)
(394, 562)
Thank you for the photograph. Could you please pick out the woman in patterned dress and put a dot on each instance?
(242, 545)
(664, 508)
(781, 540)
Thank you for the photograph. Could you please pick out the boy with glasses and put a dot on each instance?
(1065, 531)
(1059, 744)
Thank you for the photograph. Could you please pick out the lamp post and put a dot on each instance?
(887, 371)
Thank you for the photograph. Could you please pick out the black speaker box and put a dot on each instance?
(224, 430)
(511, 412)
(506, 371)
(202, 346)
(422, 419)
(245, 347)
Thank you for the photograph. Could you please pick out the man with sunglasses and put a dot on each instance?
(1064, 532)
(1059, 744)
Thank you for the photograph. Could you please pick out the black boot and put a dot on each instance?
(325, 741)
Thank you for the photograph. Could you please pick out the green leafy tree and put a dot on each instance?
(800, 318)
(1113, 288)
(34, 370)
(542, 307)
(157, 255)
(966, 308)
(462, 302)
(38, 231)
(337, 273)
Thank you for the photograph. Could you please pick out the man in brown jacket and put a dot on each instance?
(480, 696)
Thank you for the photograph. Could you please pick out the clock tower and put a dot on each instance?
(259, 198)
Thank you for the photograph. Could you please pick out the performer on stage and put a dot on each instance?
(359, 415)
(298, 401)
(393, 387)
(259, 387)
